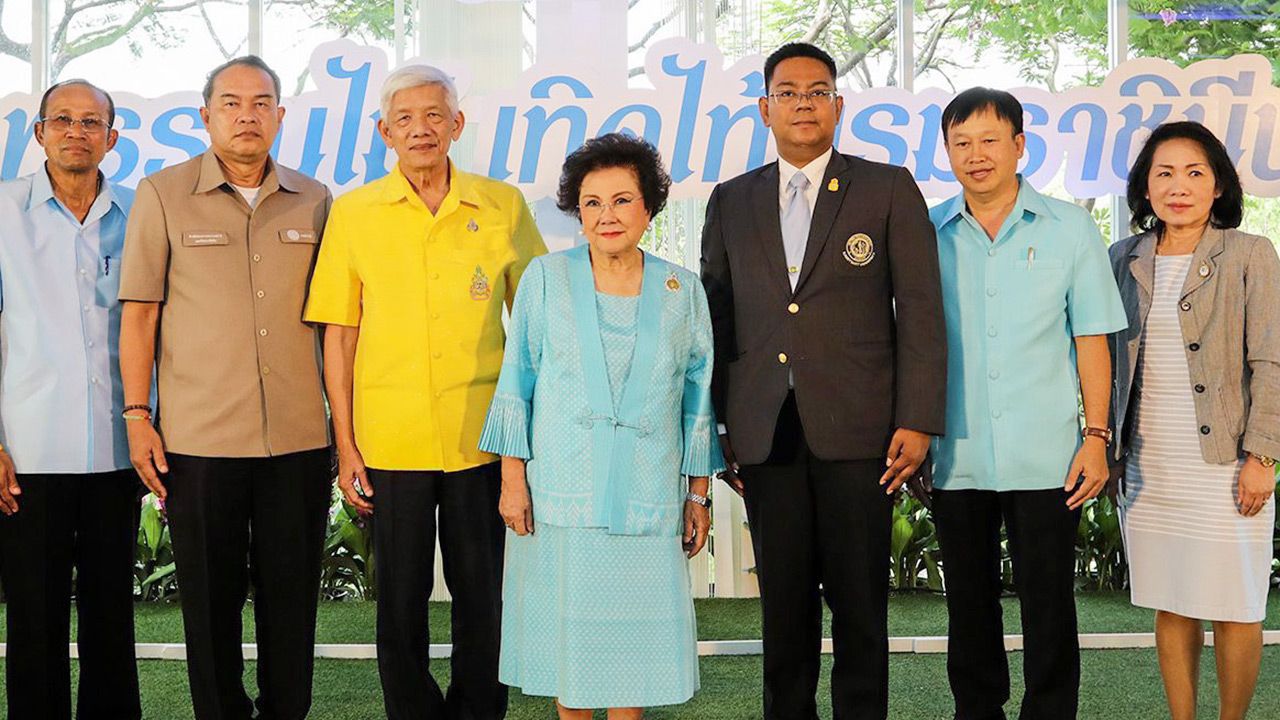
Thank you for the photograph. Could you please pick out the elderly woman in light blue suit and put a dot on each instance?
(604, 423)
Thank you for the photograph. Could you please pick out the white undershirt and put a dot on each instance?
(250, 194)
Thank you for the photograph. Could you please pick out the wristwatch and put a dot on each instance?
(702, 500)
(1267, 462)
(1104, 433)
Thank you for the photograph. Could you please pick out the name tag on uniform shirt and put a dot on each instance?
(298, 235)
(199, 238)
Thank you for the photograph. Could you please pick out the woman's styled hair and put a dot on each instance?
(615, 150)
(1227, 210)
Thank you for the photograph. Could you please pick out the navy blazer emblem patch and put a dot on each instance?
(859, 251)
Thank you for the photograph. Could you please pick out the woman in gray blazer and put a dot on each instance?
(1197, 412)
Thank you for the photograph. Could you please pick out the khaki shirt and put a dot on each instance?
(238, 369)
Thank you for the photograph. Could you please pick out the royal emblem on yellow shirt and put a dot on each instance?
(472, 226)
(480, 285)
(859, 250)
(673, 283)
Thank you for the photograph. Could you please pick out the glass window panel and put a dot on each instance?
(19, 154)
(859, 34)
(291, 31)
(150, 48)
(1034, 43)
(1185, 32)
(15, 26)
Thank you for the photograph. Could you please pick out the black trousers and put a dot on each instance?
(89, 523)
(237, 522)
(409, 507)
(1042, 534)
(820, 523)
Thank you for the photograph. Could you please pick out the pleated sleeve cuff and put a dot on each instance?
(506, 429)
(702, 454)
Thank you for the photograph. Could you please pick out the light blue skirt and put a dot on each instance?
(598, 620)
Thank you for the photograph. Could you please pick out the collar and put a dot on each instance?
(42, 191)
(1211, 244)
(815, 170)
(1029, 200)
(463, 190)
(41, 187)
(212, 177)
(1144, 248)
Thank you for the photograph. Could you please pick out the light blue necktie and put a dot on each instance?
(795, 225)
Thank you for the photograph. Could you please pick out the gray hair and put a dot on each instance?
(412, 76)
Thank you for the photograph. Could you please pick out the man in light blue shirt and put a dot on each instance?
(1029, 300)
(68, 496)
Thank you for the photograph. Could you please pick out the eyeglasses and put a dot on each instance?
(790, 97)
(596, 208)
(62, 123)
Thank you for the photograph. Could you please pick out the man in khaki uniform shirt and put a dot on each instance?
(217, 256)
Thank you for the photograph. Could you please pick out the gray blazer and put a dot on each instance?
(1231, 329)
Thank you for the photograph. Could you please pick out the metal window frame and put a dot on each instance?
(1118, 52)
(39, 51)
(905, 42)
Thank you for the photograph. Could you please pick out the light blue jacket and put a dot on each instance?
(591, 464)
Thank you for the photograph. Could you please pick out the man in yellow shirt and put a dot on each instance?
(413, 272)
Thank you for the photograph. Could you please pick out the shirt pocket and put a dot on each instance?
(107, 285)
(1039, 286)
(107, 280)
(470, 289)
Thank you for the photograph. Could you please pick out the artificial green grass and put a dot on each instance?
(1115, 683)
(910, 614)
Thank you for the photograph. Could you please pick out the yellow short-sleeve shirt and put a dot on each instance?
(427, 293)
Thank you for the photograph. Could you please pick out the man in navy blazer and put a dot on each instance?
(821, 272)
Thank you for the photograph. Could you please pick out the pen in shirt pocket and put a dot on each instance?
(1031, 256)
(106, 266)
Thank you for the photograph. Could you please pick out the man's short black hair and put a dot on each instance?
(1228, 209)
(976, 100)
(111, 104)
(252, 61)
(615, 150)
(797, 50)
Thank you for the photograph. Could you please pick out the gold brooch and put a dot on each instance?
(834, 185)
(673, 283)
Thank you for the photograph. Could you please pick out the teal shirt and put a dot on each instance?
(1013, 307)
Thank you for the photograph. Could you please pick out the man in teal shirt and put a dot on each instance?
(1029, 300)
